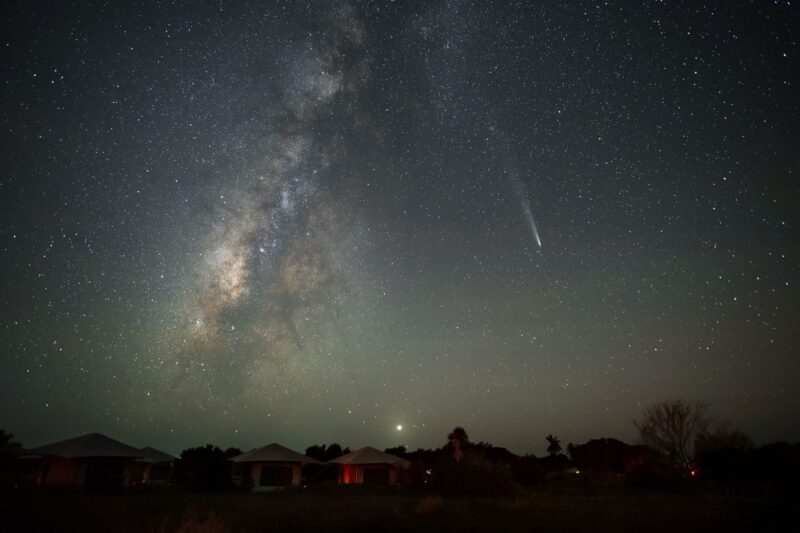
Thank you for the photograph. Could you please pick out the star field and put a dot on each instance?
(249, 222)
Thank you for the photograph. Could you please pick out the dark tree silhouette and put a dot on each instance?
(399, 451)
(7, 440)
(570, 450)
(722, 437)
(204, 468)
(671, 427)
(230, 453)
(8, 449)
(458, 434)
(326, 452)
(458, 440)
(315, 451)
(554, 445)
(722, 454)
(334, 450)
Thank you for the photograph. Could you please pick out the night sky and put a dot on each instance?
(241, 223)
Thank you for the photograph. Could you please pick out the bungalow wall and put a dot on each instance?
(369, 475)
(152, 473)
(271, 475)
(97, 473)
(62, 472)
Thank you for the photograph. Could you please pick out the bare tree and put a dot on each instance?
(671, 427)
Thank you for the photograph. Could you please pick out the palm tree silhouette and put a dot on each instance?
(555, 445)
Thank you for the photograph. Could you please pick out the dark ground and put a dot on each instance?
(362, 510)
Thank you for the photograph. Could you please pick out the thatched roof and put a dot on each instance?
(151, 455)
(273, 453)
(91, 445)
(371, 456)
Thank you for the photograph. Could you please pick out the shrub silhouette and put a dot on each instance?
(473, 475)
(775, 468)
(527, 470)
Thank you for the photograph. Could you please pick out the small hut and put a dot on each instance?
(369, 466)
(274, 466)
(154, 467)
(94, 461)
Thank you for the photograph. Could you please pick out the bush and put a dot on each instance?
(527, 470)
(472, 476)
(658, 476)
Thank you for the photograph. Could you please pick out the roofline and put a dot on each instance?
(310, 461)
(42, 455)
(364, 464)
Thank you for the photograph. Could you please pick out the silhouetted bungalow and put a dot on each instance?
(155, 467)
(608, 454)
(94, 461)
(273, 466)
(369, 466)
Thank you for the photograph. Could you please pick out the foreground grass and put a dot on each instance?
(363, 510)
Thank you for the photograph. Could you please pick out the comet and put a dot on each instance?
(531, 222)
(519, 189)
